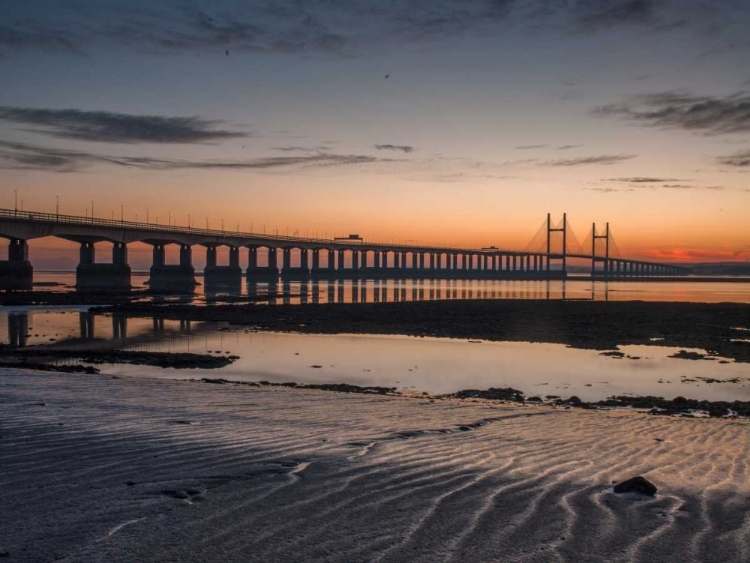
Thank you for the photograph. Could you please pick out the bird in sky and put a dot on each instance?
(387, 75)
(227, 52)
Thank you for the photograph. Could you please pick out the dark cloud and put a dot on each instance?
(651, 184)
(643, 180)
(402, 148)
(530, 147)
(709, 115)
(600, 159)
(109, 127)
(566, 147)
(739, 159)
(21, 156)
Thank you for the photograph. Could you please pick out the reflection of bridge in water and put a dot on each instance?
(546, 257)
(114, 331)
(290, 292)
(103, 332)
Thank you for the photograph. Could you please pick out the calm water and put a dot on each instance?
(417, 364)
(349, 291)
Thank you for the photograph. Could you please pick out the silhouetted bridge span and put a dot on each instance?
(301, 257)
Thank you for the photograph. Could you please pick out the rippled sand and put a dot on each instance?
(157, 470)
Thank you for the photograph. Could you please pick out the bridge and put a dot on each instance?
(302, 258)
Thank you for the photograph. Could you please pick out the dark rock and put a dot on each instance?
(574, 400)
(636, 485)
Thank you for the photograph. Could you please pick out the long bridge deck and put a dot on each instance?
(301, 257)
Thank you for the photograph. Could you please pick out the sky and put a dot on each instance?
(453, 122)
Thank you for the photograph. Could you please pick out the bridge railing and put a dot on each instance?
(26, 216)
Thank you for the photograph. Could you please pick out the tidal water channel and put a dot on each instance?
(434, 365)
(373, 291)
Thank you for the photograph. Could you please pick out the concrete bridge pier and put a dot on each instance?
(90, 275)
(301, 272)
(16, 272)
(223, 277)
(255, 271)
(179, 278)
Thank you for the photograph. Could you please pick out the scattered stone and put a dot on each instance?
(636, 485)
(685, 355)
(493, 394)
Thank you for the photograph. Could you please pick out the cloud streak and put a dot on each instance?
(604, 159)
(402, 148)
(110, 127)
(709, 115)
(738, 160)
(643, 180)
(21, 156)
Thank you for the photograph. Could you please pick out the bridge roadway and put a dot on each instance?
(301, 258)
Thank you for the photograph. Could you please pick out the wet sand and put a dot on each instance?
(95, 468)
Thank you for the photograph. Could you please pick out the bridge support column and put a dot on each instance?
(355, 261)
(172, 278)
(254, 273)
(223, 278)
(300, 272)
(16, 273)
(317, 272)
(93, 276)
(210, 256)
